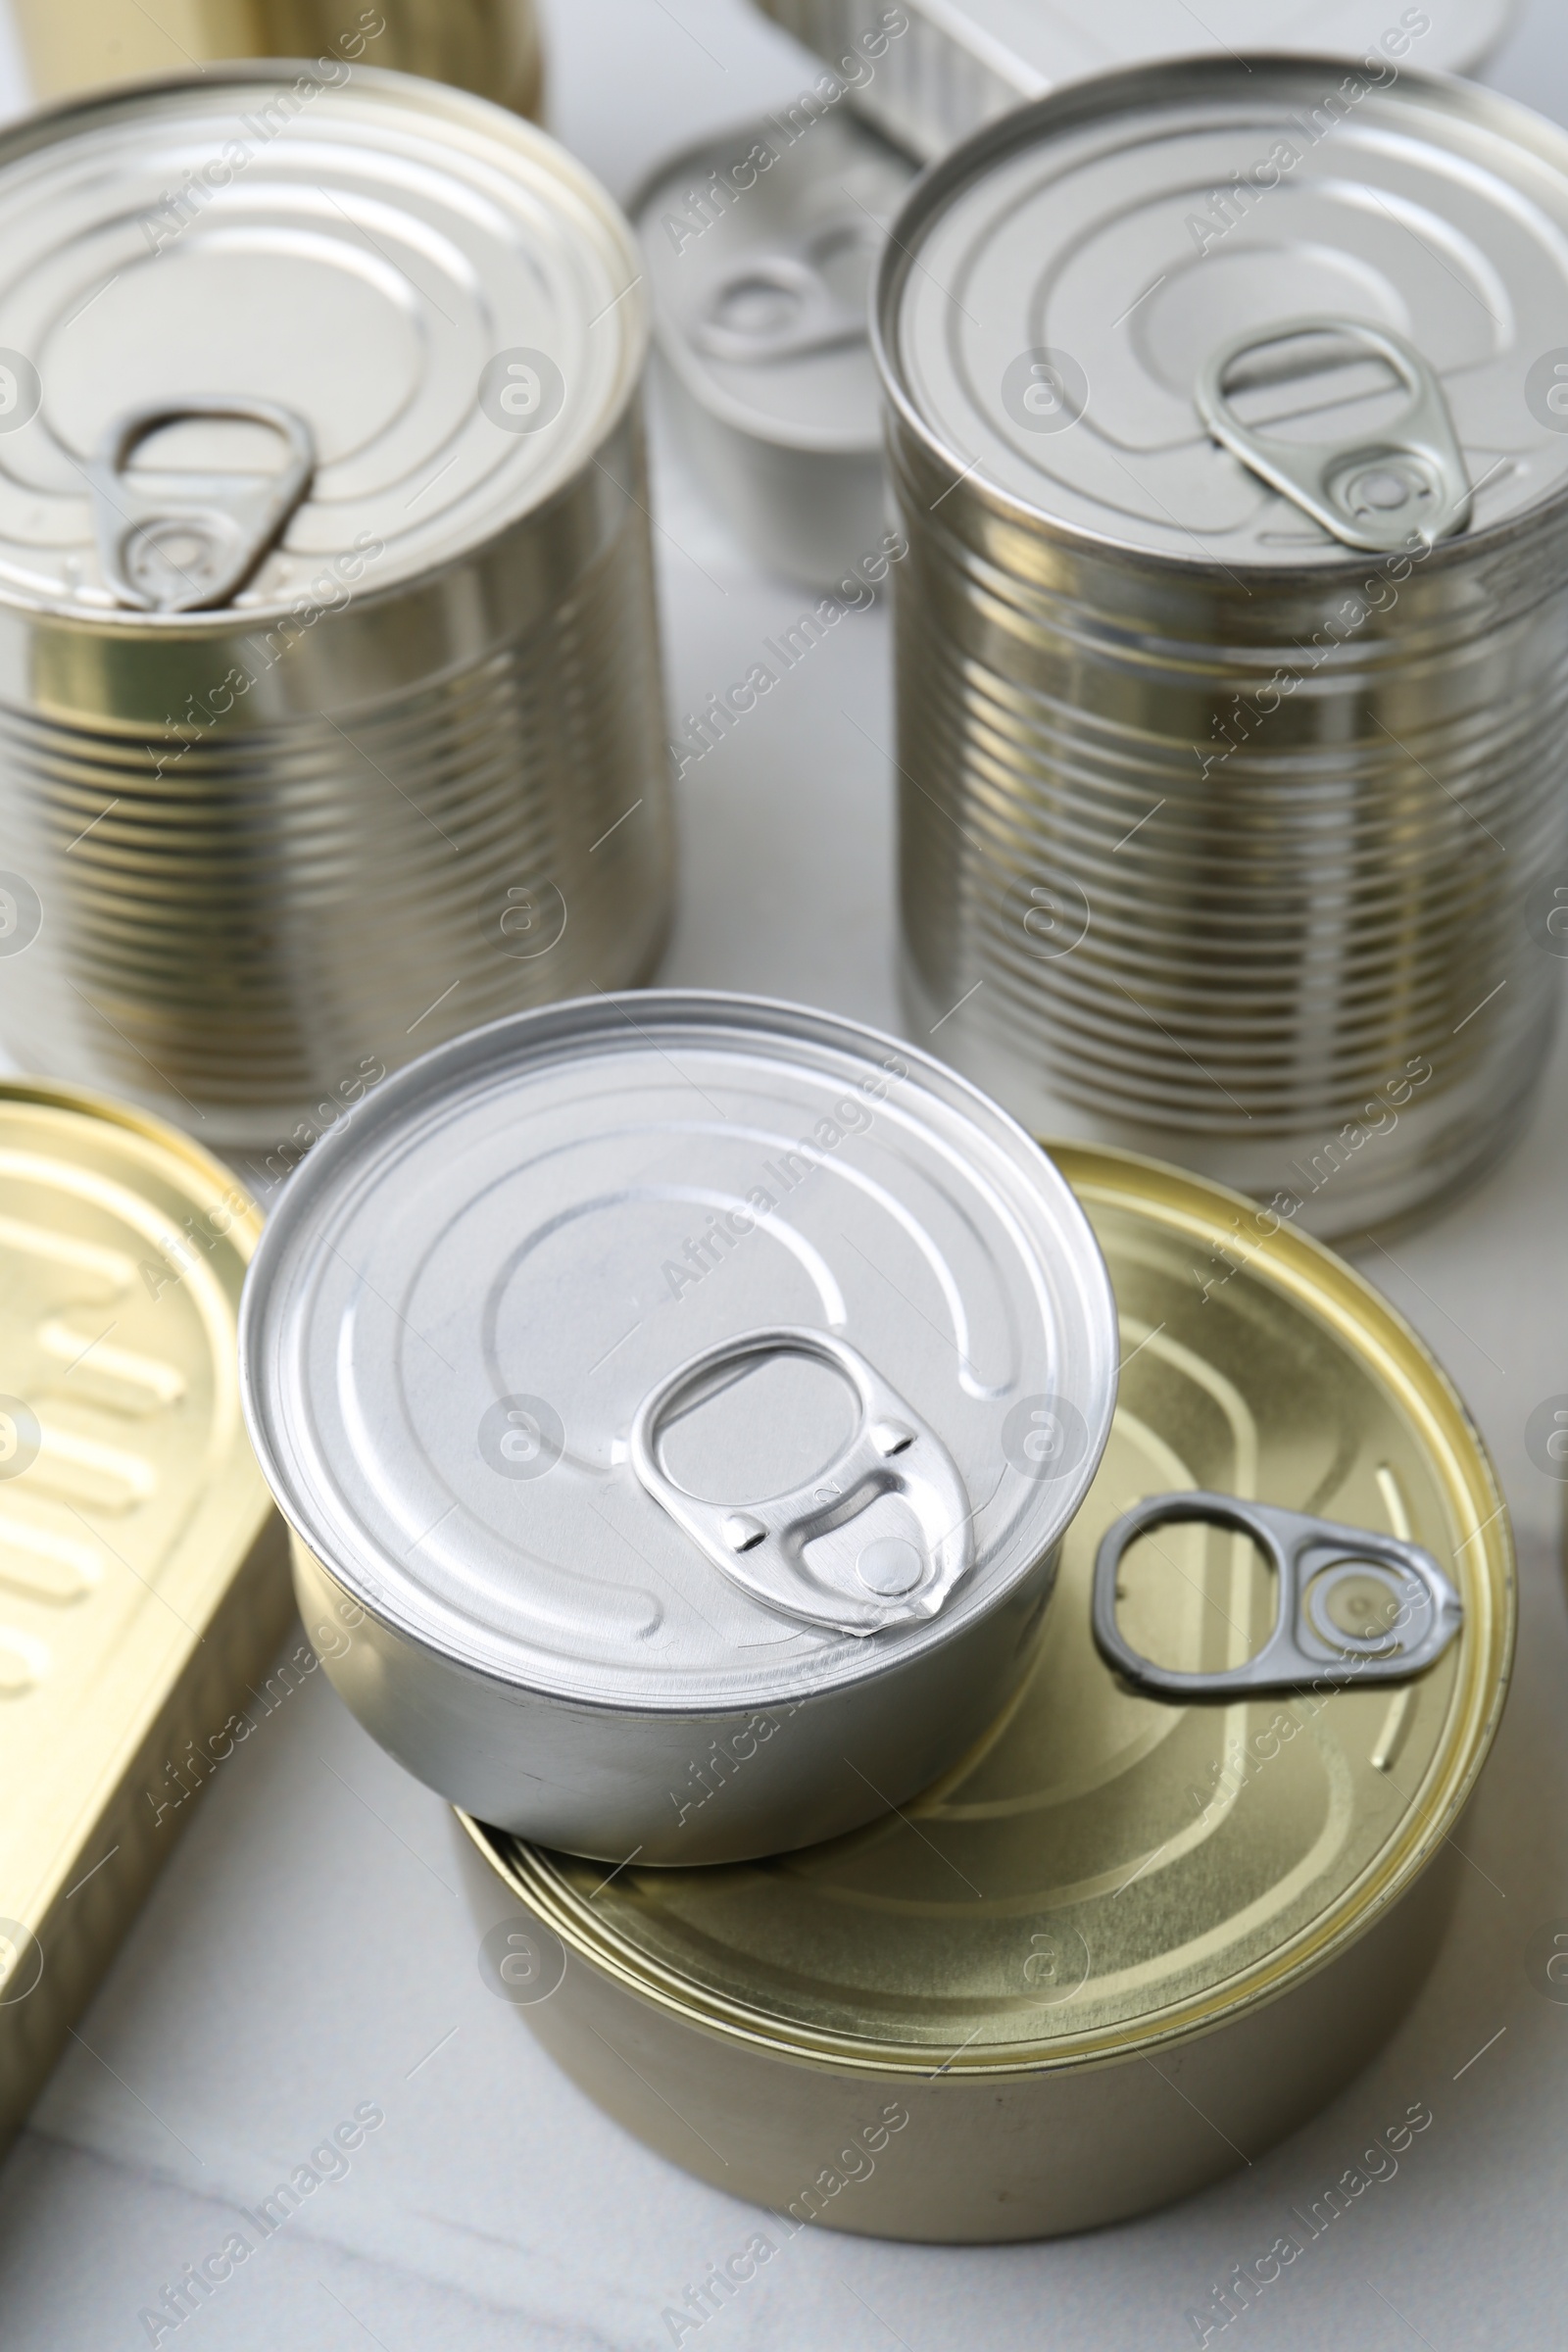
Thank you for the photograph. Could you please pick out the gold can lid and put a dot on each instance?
(1106, 1871)
(129, 1498)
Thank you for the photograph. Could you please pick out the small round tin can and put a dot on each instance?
(331, 718)
(1233, 639)
(689, 1390)
(929, 73)
(488, 46)
(760, 247)
(1128, 1940)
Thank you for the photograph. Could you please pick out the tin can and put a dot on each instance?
(331, 718)
(931, 73)
(683, 1386)
(760, 248)
(1230, 758)
(144, 1578)
(1126, 1941)
(488, 46)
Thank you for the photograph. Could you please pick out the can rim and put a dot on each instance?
(1090, 99)
(51, 1094)
(38, 129)
(1330, 1286)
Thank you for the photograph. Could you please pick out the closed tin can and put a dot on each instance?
(144, 1583)
(761, 248)
(489, 46)
(1126, 1941)
(331, 718)
(1232, 663)
(930, 73)
(671, 1379)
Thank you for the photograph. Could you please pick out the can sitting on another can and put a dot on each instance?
(673, 1376)
(1128, 1940)
(761, 249)
(1232, 637)
(330, 716)
(488, 46)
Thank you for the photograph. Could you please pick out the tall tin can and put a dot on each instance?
(488, 46)
(330, 716)
(1233, 663)
(1131, 1938)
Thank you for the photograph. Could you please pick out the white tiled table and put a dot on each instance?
(305, 1949)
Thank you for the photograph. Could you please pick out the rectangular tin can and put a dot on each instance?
(953, 65)
(1125, 1941)
(1230, 669)
(330, 712)
(143, 1572)
(488, 46)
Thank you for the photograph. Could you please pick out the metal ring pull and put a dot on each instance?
(877, 1538)
(1403, 485)
(1316, 1562)
(186, 542)
(780, 306)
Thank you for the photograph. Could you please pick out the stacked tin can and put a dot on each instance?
(1233, 652)
(330, 716)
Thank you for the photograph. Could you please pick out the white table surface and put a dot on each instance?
(305, 1948)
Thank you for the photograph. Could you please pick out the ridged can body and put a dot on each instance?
(1318, 921)
(399, 785)
(1126, 1942)
(488, 46)
(1208, 847)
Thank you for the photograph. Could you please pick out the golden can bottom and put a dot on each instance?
(1124, 1943)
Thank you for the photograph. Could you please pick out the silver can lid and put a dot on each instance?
(761, 249)
(313, 331)
(1376, 267)
(672, 1351)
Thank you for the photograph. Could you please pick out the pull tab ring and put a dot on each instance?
(810, 316)
(1310, 1647)
(878, 1539)
(1400, 486)
(187, 542)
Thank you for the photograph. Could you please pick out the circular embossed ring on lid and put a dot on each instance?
(670, 1370)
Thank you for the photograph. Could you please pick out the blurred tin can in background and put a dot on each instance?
(761, 249)
(330, 716)
(930, 73)
(1126, 1942)
(144, 1585)
(488, 46)
(1233, 661)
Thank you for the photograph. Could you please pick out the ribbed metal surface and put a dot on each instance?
(232, 939)
(411, 774)
(1220, 847)
(1324, 915)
